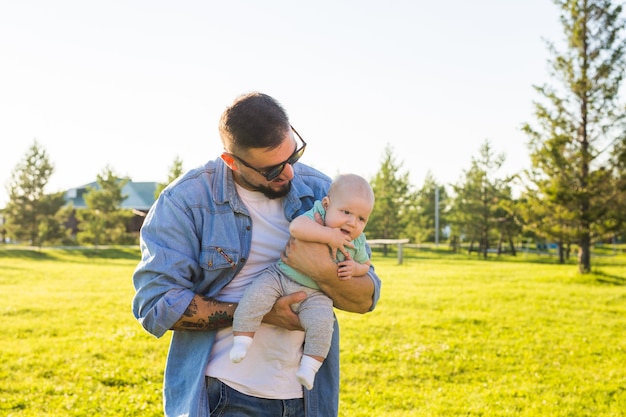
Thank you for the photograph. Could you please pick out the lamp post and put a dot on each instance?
(436, 216)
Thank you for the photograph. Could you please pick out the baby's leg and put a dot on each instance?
(317, 319)
(257, 301)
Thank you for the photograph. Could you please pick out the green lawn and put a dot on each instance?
(452, 336)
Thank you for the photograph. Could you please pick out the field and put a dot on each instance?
(453, 335)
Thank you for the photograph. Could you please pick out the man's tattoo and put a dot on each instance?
(220, 319)
(192, 309)
(193, 325)
(215, 321)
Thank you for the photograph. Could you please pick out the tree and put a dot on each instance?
(29, 214)
(506, 224)
(619, 206)
(429, 212)
(545, 211)
(617, 215)
(580, 122)
(52, 227)
(477, 208)
(394, 200)
(175, 170)
(103, 222)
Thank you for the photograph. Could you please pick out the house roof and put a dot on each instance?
(139, 195)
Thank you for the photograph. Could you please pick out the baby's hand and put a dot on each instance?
(345, 269)
(338, 242)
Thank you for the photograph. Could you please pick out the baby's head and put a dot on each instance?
(349, 203)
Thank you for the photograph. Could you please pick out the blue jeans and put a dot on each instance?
(227, 402)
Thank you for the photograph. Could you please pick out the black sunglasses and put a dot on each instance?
(273, 172)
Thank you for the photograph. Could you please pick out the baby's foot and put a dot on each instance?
(308, 368)
(237, 353)
(240, 348)
(306, 377)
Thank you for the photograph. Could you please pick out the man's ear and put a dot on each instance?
(229, 160)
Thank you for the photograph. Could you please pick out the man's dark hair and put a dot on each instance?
(254, 120)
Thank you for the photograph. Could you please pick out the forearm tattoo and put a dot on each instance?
(217, 320)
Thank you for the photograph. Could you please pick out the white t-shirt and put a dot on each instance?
(269, 369)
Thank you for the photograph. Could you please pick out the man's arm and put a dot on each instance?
(353, 295)
(204, 313)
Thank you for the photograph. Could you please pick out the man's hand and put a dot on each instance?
(282, 315)
(313, 259)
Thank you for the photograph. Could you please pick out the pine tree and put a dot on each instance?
(572, 181)
(477, 204)
(429, 211)
(29, 214)
(394, 200)
(175, 170)
(103, 221)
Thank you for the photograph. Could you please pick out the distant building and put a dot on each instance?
(139, 199)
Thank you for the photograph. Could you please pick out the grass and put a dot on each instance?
(70, 344)
(452, 336)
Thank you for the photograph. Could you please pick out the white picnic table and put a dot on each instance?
(384, 242)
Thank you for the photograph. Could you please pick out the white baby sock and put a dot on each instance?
(308, 368)
(240, 348)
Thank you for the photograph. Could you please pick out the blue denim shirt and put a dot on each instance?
(194, 240)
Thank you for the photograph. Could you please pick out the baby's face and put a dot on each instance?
(349, 213)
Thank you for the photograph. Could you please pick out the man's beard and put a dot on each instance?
(272, 194)
(265, 190)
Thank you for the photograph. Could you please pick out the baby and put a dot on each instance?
(345, 211)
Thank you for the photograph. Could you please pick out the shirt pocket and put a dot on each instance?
(217, 258)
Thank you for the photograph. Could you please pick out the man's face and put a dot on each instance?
(251, 168)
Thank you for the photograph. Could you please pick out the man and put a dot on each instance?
(209, 234)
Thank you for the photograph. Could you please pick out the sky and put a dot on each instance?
(132, 85)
